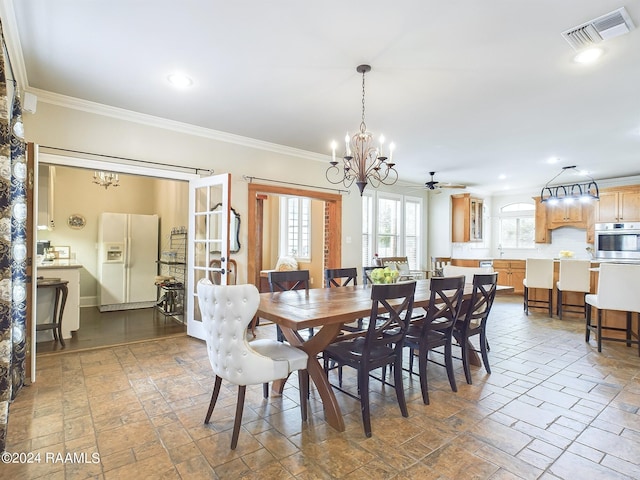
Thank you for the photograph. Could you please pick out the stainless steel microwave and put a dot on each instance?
(617, 241)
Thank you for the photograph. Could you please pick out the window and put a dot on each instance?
(295, 227)
(391, 227)
(517, 225)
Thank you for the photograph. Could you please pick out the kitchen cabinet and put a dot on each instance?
(465, 262)
(567, 214)
(511, 273)
(466, 219)
(549, 217)
(619, 206)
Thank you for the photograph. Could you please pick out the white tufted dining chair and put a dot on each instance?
(618, 289)
(226, 312)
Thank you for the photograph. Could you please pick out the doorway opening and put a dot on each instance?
(140, 191)
(332, 230)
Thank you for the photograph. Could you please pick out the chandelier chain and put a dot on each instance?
(363, 126)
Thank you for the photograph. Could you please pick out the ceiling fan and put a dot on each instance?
(434, 184)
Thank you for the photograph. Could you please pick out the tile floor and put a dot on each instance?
(552, 408)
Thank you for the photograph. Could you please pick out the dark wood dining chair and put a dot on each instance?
(284, 281)
(342, 277)
(436, 329)
(473, 317)
(381, 345)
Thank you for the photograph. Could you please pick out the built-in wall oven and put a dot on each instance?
(617, 241)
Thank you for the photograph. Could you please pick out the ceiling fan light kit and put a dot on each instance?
(434, 184)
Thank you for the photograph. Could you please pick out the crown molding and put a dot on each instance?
(12, 42)
(179, 127)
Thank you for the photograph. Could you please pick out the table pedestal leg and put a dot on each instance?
(474, 358)
(312, 347)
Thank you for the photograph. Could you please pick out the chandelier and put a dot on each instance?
(106, 179)
(362, 162)
(569, 192)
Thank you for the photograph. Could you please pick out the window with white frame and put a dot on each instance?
(295, 227)
(517, 225)
(391, 227)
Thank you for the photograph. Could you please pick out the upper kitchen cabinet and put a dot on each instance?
(567, 214)
(549, 217)
(46, 184)
(466, 219)
(620, 205)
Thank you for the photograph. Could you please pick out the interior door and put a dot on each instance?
(208, 244)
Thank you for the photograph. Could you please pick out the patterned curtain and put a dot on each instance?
(13, 251)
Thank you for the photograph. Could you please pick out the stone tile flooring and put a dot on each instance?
(552, 408)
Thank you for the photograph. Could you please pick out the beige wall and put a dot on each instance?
(146, 138)
(75, 193)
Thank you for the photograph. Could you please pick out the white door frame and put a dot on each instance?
(165, 172)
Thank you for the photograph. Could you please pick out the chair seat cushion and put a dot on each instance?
(278, 351)
(434, 337)
(352, 350)
(591, 299)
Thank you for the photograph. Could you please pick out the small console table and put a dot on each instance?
(59, 300)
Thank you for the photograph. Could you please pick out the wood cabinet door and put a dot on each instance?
(573, 212)
(504, 278)
(460, 217)
(565, 213)
(518, 269)
(541, 231)
(607, 208)
(629, 206)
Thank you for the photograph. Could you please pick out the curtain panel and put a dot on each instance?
(13, 251)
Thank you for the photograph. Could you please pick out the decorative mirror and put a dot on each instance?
(234, 229)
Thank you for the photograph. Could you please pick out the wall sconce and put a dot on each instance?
(582, 191)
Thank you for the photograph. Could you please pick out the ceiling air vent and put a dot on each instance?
(599, 29)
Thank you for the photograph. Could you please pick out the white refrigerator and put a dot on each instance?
(128, 252)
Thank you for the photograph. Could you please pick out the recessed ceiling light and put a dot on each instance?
(179, 80)
(552, 160)
(588, 56)
(502, 176)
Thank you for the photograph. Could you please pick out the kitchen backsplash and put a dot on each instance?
(565, 238)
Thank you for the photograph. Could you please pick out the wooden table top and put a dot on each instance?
(298, 309)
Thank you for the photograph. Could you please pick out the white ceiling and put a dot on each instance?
(470, 89)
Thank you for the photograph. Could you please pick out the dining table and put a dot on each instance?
(326, 310)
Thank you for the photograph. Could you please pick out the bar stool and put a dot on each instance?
(574, 277)
(538, 274)
(618, 289)
(59, 300)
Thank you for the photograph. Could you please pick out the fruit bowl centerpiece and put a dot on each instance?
(384, 275)
(566, 254)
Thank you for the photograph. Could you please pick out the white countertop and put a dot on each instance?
(58, 264)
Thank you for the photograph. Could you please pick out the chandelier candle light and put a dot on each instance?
(106, 179)
(362, 161)
(582, 191)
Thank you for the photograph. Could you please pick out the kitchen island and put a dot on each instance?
(68, 270)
